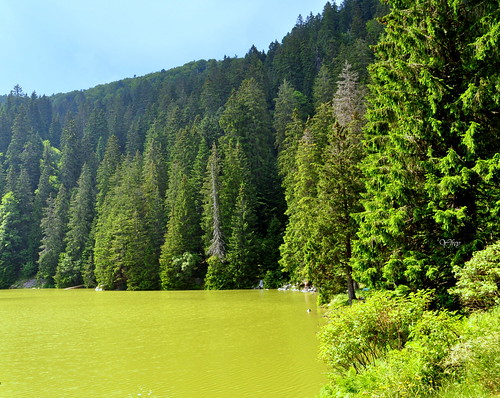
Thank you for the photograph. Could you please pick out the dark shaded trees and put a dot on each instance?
(71, 267)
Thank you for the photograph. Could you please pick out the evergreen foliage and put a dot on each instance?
(432, 150)
(11, 258)
(71, 270)
(210, 173)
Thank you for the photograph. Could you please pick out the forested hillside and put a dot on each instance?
(273, 166)
(168, 180)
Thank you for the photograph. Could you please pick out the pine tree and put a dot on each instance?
(10, 240)
(302, 194)
(53, 227)
(153, 188)
(432, 143)
(70, 269)
(24, 151)
(96, 128)
(71, 155)
(231, 211)
(107, 169)
(124, 257)
(323, 86)
(288, 102)
(247, 119)
(28, 224)
(183, 234)
(242, 244)
(47, 183)
(213, 239)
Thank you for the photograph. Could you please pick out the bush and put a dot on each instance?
(475, 357)
(479, 279)
(356, 336)
(444, 356)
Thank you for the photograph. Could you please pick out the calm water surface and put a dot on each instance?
(82, 343)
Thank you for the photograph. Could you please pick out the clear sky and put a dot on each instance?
(52, 46)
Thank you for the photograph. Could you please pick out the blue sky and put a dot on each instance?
(52, 46)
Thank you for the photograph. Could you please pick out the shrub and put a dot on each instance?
(476, 355)
(444, 357)
(415, 370)
(357, 335)
(479, 279)
(273, 279)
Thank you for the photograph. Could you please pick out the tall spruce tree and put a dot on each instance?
(11, 260)
(71, 155)
(153, 188)
(211, 220)
(123, 255)
(71, 267)
(53, 227)
(288, 102)
(242, 252)
(432, 142)
(246, 118)
(300, 242)
(182, 232)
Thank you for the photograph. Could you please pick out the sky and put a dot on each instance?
(53, 46)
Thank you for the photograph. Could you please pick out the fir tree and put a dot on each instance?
(53, 227)
(182, 232)
(432, 141)
(124, 257)
(288, 102)
(10, 240)
(242, 249)
(71, 155)
(70, 269)
(213, 239)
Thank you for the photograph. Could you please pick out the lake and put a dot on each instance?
(83, 343)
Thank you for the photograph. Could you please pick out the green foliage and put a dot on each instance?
(10, 261)
(179, 272)
(355, 337)
(242, 245)
(71, 155)
(287, 103)
(211, 218)
(217, 277)
(124, 256)
(474, 359)
(171, 118)
(54, 227)
(443, 356)
(273, 279)
(478, 281)
(425, 170)
(70, 269)
(324, 189)
(183, 232)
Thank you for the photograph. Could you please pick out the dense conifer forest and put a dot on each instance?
(361, 149)
(171, 180)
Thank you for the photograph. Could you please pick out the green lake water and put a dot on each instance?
(82, 343)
